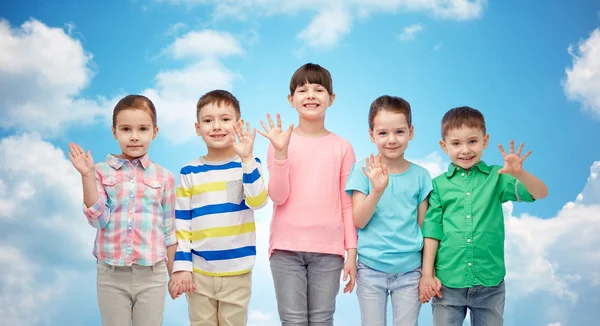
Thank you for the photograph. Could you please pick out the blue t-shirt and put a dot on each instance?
(392, 242)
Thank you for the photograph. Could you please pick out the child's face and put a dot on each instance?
(311, 101)
(134, 131)
(465, 146)
(391, 134)
(215, 125)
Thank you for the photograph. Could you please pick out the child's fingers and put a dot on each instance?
(278, 121)
(271, 124)
(512, 146)
(501, 150)
(525, 156)
(290, 128)
(264, 126)
(520, 149)
(263, 134)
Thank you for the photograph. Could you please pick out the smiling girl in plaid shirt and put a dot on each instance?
(130, 201)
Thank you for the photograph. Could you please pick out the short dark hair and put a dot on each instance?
(313, 74)
(134, 102)
(220, 97)
(463, 116)
(392, 104)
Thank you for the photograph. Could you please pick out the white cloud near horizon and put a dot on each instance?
(582, 83)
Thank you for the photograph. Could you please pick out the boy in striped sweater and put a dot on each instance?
(214, 212)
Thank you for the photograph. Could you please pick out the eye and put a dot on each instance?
(144, 128)
(207, 120)
(320, 90)
(473, 141)
(400, 131)
(454, 143)
(226, 119)
(382, 133)
(125, 128)
(301, 90)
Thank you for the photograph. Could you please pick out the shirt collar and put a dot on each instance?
(481, 166)
(116, 162)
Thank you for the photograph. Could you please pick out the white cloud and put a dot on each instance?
(42, 70)
(175, 29)
(409, 32)
(332, 19)
(554, 324)
(204, 44)
(583, 78)
(434, 163)
(46, 222)
(176, 91)
(438, 46)
(326, 29)
(257, 318)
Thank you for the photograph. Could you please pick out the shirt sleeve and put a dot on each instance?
(279, 178)
(425, 185)
(98, 215)
(168, 204)
(254, 186)
(432, 226)
(183, 225)
(350, 234)
(513, 190)
(357, 180)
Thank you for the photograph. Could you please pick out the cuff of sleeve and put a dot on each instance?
(433, 230)
(282, 163)
(249, 167)
(170, 239)
(523, 194)
(94, 211)
(182, 266)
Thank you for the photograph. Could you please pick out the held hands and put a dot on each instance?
(377, 172)
(429, 286)
(513, 162)
(243, 147)
(279, 138)
(181, 282)
(82, 161)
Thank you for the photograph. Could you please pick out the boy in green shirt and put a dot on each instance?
(464, 225)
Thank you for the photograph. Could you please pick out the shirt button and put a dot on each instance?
(129, 245)
(131, 196)
(468, 194)
(462, 174)
(132, 181)
(468, 216)
(130, 228)
(468, 240)
(469, 264)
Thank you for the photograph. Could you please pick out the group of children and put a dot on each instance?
(382, 222)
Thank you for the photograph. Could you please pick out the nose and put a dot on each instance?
(310, 93)
(134, 136)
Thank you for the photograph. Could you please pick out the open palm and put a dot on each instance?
(82, 161)
(243, 147)
(279, 138)
(377, 172)
(513, 162)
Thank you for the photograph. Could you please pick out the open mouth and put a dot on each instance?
(220, 136)
(311, 105)
(466, 159)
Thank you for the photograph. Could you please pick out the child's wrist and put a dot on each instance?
(247, 159)
(281, 155)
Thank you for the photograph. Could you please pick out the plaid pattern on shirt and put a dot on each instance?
(134, 214)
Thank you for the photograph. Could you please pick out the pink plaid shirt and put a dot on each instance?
(134, 213)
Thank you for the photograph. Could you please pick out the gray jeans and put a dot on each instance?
(306, 285)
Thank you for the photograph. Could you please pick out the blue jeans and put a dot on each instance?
(306, 285)
(373, 288)
(485, 303)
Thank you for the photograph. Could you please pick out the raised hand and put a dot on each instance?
(279, 138)
(513, 162)
(377, 172)
(243, 147)
(82, 161)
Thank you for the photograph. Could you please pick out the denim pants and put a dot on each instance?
(485, 303)
(306, 285)
(373, 289)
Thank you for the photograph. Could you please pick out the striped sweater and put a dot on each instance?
(214, 216)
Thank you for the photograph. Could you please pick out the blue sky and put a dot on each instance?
(532, 68)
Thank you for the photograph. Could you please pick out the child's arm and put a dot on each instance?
(350, 234)
(513, 165)
(432, 232)
(182, 265)
(254, 186)
(94, 196)
(277, 159)
(363, 206)
(168, 204)
(424, 198)
(421, 211)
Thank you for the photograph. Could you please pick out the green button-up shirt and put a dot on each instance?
(465, 214)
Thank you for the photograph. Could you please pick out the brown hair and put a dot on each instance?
(134, 102)
(313, 74)
(392, 104)
(463, 116)
(221, 98)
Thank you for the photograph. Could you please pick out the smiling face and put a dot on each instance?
(311, 101)
(465, 145)
(391, 133)
(134, 130)
(215, 125)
